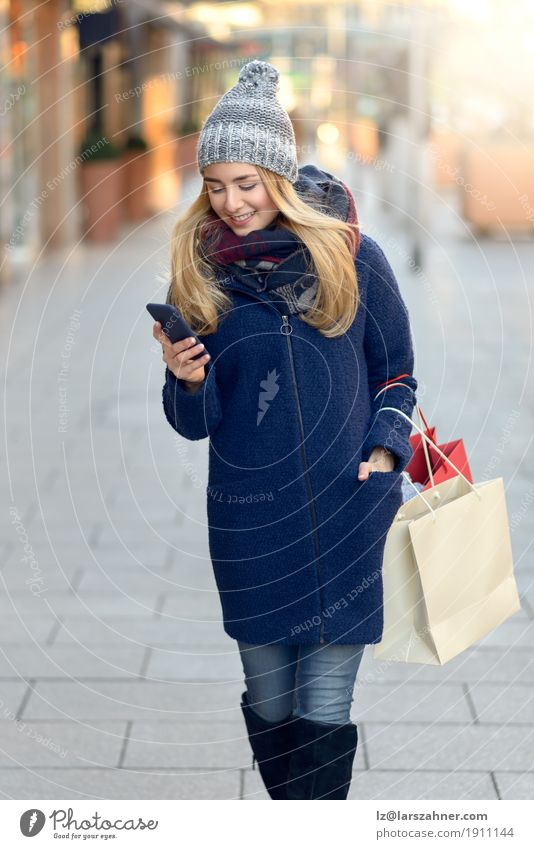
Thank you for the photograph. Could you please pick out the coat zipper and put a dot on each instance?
(311, 498)
(287, 333)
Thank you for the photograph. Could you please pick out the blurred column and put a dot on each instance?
(55, 147)
(22, 199)
(158, 111)
(418, 123)
(133, 20)
(7, 101)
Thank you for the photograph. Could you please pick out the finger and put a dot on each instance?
(364, 470)
(185, 357)
(164, 339)
(186, 368)
(183, 345)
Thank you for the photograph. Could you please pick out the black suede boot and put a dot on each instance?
(271, 743)
(321, 763)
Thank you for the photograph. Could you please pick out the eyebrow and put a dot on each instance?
(235, 180)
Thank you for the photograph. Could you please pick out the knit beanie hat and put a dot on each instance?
(249, 124)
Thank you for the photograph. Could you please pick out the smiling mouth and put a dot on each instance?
(242, 219)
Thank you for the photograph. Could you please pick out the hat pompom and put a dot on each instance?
(258, 74)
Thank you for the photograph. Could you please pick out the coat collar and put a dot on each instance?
(227, 282)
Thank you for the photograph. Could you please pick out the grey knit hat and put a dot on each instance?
(249, 124)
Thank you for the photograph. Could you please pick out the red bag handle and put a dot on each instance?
(419, 410)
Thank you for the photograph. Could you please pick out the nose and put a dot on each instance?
(233, 202)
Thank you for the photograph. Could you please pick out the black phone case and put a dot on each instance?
(173, 324)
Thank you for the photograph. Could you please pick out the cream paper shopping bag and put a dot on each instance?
(447, 570)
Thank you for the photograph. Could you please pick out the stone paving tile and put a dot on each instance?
(147, 545)
(96, 561)
(440, 746)
(136, 700)
(161, 511)
(142, 535)
(400, 784)
(513, 703)
(13, 629)
(11, 696)
(522, 561)
(202, 604)
(118, 784)
(510, 634)
(152, 516)
(188, 745)
(147, 550)
(74, 548)
(60, 744)
(185, 665)
(424, 702)
(195, 576)
(70, 605)
(515, 785)
(475, 664)
(142, 631)
(132, 579)
(70, 661)
(253, 786)
(529, 595)
(66, 535)
(53, 566)
(17, 584)
(383, 784)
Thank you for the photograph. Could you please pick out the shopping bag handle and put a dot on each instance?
(440, 452)
(421, 418)
(420, 494)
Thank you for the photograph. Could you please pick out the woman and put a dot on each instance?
(303, 323)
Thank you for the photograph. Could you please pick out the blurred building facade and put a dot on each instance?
(362, 79)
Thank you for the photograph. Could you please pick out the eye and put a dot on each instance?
(244, 188)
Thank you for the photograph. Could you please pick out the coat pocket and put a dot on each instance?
(380, 497)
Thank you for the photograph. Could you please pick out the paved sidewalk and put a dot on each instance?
(116, 677)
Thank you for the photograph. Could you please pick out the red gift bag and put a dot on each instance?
(427, 466)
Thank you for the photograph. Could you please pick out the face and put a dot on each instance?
(236, 191)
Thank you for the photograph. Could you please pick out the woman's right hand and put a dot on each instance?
(178, 357)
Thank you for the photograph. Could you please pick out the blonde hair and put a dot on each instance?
(196, 293)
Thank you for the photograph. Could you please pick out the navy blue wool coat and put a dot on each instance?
(296, 540)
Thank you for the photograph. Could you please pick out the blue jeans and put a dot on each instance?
(315, 682)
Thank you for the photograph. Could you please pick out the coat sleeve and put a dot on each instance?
(389, 354)
(192, 415)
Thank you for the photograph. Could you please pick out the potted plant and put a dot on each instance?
(101, 186)
(136, 177)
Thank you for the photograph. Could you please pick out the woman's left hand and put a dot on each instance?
(380, 460)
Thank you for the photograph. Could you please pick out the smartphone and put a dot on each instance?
(173, 324)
